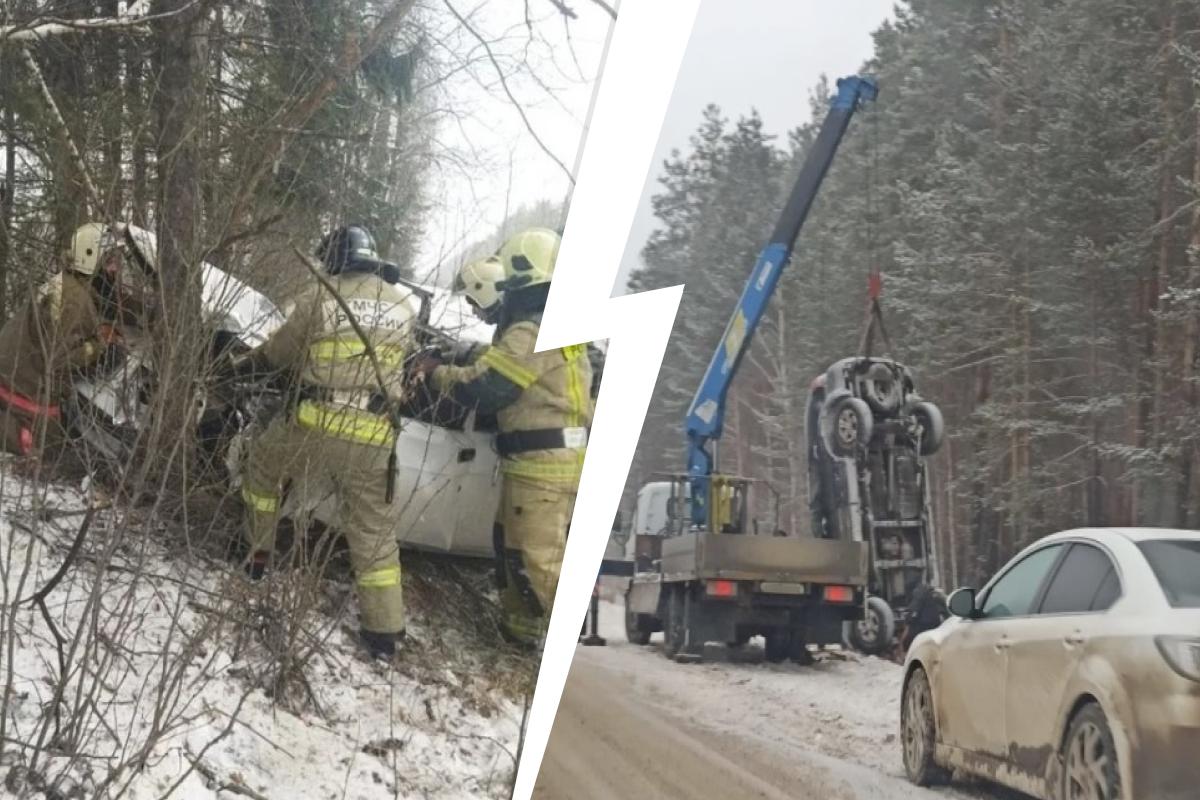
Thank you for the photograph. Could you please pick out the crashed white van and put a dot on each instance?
(447, 483)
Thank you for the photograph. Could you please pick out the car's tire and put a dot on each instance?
(918, 732)
(881, 389)
(778, 646)
(636, 631)
(1089, 757)
(933, 427)
(874, 633)
(847, 425)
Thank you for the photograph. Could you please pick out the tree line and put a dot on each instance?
(1029, 185)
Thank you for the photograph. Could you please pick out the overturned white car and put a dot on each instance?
(447, 482)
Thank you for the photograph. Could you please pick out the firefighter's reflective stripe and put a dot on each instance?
(576, 394)
(553, 472)
(345, 348)
(346, 423)
(509, 368)
(382, 578)
(524, 627)
(263, 503)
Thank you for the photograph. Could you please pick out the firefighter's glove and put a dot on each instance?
(421, 365)
(461, 354)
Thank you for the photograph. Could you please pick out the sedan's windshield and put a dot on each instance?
(1177, 565)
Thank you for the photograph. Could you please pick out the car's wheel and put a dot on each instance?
(673, 630)
(739, 640)
(881, 389)
(918, 732)
(848, 425)
(932, 426)
(1089, 756)
(874, 632)
(779, 644)
(635, 631)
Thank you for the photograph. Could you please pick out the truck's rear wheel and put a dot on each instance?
(636, 630)
(779, 646)
(675, 631)
(874, 632)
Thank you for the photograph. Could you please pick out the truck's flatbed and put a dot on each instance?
(785, 559)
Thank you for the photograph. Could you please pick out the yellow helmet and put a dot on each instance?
(478, 281)
(529, 257)
(85, 248)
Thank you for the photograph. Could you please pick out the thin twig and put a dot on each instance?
(512, 98)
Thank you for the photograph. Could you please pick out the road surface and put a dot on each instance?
(633, 724)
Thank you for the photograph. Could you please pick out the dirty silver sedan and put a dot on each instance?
(1073, 674)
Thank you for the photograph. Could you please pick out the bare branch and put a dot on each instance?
(77, 157)
(504, 84)
(610, 10)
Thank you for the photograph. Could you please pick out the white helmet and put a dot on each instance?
(477, 280)
(85, 248)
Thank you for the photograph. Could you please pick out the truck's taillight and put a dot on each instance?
(1182, 653)
(721, 588)
(839, 594)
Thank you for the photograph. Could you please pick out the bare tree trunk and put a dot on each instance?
(1151, 410)
(183, 53)
(9, 194)
(1192, 330)
(108, 77)
(139, 129)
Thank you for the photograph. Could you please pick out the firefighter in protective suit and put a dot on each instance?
(66, 326)
(339, 433)
(543, 408)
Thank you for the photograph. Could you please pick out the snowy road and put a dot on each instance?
(633, 724)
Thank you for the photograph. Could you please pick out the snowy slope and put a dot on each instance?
(171, 656)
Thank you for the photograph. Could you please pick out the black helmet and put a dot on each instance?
(348, 246)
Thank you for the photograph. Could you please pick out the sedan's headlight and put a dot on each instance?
(1182, 653)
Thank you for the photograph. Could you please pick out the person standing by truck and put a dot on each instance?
(543, 406)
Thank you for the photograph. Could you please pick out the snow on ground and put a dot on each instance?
(839, 717)
(163, 675)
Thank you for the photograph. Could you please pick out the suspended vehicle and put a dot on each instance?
(868, 432)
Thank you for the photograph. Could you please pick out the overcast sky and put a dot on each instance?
(486, 159)
(756, 54)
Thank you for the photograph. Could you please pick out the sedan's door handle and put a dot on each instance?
(1073, 639)
(1003, 643)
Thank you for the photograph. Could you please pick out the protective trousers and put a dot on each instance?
(313, 462)
(531, 534)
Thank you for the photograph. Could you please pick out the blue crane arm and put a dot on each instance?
(706, 415)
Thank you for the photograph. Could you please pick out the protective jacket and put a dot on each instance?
(339, 387)
(339, 437)
(56, 332)
(542, 401)
(543, 407)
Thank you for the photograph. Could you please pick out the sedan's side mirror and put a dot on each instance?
(961, 603)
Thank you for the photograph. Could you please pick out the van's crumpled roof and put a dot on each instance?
(251, 314)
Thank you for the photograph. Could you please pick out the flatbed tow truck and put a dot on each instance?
(706, 574)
